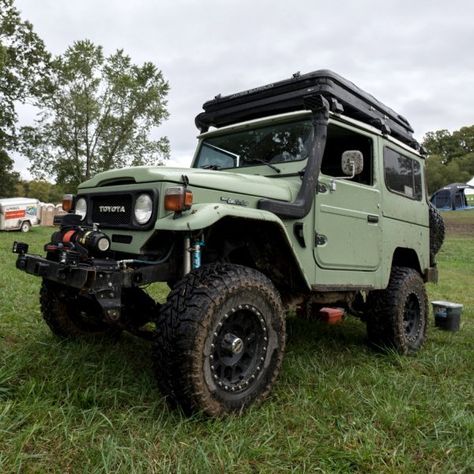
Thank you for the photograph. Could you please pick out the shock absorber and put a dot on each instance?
(196, 253)
(192, 254)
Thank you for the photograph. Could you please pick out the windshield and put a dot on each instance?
(279, 143)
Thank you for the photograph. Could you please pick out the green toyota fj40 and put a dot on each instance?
(303, 193)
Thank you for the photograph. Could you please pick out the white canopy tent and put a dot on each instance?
(470, 191)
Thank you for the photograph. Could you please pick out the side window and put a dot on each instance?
(212, 155)
(340, 140)
(402, 174)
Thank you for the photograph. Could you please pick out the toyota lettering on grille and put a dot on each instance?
(112, 209)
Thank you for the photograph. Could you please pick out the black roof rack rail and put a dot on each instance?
(287, 96)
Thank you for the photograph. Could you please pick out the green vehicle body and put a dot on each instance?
(355, 253)
(305, 210)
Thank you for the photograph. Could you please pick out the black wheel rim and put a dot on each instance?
(411, 316)
(238, 348)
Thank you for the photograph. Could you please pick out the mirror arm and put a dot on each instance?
(333, 180)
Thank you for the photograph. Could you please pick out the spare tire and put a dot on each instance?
(437, 230)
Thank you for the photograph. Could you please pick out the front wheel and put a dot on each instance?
(397, 316)
(220, 340)
(70, 315)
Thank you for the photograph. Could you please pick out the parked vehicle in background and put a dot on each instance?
(19, 213)
(303, 194)
(452, 197)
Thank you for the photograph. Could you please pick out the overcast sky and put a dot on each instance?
(415, 56)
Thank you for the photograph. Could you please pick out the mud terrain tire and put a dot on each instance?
(70, 315)
(437, 230)
(220, 340)
(397, 316)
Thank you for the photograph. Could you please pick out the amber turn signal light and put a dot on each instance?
(68, 201)
(178, 199)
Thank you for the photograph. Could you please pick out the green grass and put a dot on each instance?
(337, 406)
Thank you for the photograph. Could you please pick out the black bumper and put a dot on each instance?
(104, 274)
(69, 275)
(103, 280)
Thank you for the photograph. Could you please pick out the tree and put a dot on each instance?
(98, 115)
(450, 157)
(8, 178)
(39, 189)
(450, 145)
(42, 190)
(24, 66)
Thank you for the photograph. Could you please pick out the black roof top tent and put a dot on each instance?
(451, 197)
(289, 95)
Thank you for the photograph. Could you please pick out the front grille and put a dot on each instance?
(114, 210)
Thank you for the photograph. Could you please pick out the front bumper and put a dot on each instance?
(102, 275)
(104, 279)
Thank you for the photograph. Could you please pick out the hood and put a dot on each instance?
(239, 183)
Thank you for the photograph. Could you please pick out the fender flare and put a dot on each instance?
(202, 216)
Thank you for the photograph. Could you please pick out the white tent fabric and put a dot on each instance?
(467, 190)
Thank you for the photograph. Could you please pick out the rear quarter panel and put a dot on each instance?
(406, 220)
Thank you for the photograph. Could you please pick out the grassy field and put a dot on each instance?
(337, 407)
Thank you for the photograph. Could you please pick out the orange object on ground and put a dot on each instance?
(331, 315)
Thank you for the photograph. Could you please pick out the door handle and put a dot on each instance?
(372, 219)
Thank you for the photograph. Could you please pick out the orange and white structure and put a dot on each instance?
(19, 213)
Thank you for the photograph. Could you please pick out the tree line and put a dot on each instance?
(95, 111)
(450, 157)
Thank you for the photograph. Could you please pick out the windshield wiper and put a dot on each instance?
(258, 160)
(211, 166)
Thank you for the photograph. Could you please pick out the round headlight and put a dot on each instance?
(81, 208)
(143, 208)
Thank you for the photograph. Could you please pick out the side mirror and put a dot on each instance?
(352, 163)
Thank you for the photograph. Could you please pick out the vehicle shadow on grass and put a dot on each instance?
(314, 348)
(312, 335)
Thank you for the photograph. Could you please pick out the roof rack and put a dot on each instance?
(288, 96)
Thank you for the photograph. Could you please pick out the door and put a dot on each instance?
(347, 226)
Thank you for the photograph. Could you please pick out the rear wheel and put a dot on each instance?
(220, 340)
(397, 316)
(70, 315)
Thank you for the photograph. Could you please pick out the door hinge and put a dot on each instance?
(322, 188)
(320, 239)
